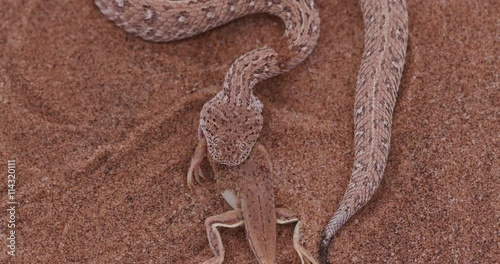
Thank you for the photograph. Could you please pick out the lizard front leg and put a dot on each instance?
(285, 216)
(195, 168)
(229, 219)
(266, 154)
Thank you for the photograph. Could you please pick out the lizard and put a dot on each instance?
(248, 189)
(386, 40)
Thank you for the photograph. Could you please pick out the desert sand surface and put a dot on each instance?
(102, 126)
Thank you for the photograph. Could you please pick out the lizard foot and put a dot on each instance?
(285, 216)
(195, 167)
(214, 260)
(228, 219)
(305, 257)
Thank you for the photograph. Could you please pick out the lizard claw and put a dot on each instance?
(199, 174)
(195, 167)
(190, 177)
(194, 173)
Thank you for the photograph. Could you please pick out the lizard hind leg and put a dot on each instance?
(228, 219)
(285, 216)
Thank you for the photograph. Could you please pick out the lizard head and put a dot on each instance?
(231, 130)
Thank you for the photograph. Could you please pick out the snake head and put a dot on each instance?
(231, 130)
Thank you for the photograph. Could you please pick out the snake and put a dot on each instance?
(381, 69)
(232, 120)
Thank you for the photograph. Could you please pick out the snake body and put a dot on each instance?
(232, 120)
(386, 39)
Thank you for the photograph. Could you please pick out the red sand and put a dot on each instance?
(102, 126)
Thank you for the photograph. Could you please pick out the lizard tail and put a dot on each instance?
(386, 38)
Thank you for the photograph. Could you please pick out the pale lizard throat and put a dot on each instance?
(386, 38)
